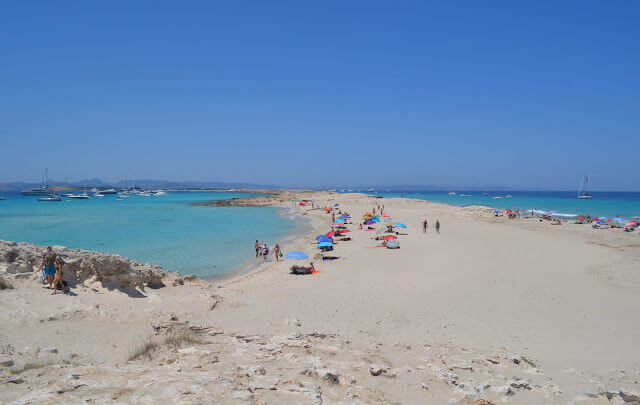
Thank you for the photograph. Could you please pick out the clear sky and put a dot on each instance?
(529, 94)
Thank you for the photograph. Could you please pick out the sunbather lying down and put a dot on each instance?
(295, 269)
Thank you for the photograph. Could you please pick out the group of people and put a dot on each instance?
(263, 251)
(425, 225)
(52, 272)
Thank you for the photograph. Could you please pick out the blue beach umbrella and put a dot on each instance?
(296, 255)
(400, 224)
(323, 238)
(618, 219)
(344, 216)
(496, 212)
(325, 244)
(335, 205)
(339, 220)
(601, 223)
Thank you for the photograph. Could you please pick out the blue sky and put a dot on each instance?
(529, 94)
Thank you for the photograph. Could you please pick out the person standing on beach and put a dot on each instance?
(257, 248)
(424, 226)
(265, 251)
(58, 280)
(437, 227)
(48, 265)
(276, 250)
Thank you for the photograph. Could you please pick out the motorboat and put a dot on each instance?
(2, 198)
(81, 196)
(108, 191)
(99, 195)
(43, 190)
(50, 197)
(465, 195)
(124, 195)
(498, 197)
(508, 196)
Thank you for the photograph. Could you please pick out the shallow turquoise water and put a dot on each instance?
(165, 230)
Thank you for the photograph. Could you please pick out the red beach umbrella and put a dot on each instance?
(633, 222)
(582, 217)
(330, 234)
(595, 219)
(344, 231)
(609, 220)
(389, 237)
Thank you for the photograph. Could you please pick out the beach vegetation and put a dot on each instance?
(528, 361)
(175, 339)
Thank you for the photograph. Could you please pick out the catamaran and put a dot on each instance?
(582, 193)
(42, 190)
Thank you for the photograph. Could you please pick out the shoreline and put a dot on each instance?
(489, 309)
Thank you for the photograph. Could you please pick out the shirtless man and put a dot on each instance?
(437, 227)
(258, 248)
(48, 265)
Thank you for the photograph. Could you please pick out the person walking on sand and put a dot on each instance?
(276, 251)
(48, 265)
(424, 226)
(437, 227)
(257, 248)
(265, 251)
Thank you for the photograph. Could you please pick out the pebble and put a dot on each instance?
(15, 380)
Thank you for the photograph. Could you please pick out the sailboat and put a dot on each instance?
(582, 193)
(42, 190)
(451, 192)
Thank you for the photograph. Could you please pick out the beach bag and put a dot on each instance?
(281, 254)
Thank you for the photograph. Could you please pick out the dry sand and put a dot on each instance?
(444, 316)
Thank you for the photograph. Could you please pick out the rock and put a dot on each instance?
(376, 370)
(330, 375)
(84, 266)
(492, 360)
(504, 390)
(6, 363)
(73, 376)
(53, 350)
(520, 384)
(516, 360)
(629, 396)
(292, 321)
(424, 386)
(15, 380)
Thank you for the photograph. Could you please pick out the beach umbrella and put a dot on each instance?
(369, 222)
(339, 220)
(344, 216)
(330, 234)
(496, 211)
(323, 238)
(367, 214)
(618, 219)
(582, 218)
(393, 244)
(400, 224)
(601, 222)
(296, 255)
(375, 219)
(385, 215)
(389, 237)
(633, 222)
(335, 205)
(595, 219)
(344, 231)
(325, 244)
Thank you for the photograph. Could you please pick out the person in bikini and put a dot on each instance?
(57, 280)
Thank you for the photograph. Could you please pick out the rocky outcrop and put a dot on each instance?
(81, 266)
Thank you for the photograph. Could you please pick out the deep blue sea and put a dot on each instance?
(165, 230)
(561, 203)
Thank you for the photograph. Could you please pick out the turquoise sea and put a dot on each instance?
(165, 230)
(560, 203)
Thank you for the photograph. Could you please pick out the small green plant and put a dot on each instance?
(528, 361)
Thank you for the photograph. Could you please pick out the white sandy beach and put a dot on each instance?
(444, 317)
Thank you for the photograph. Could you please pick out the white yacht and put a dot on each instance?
(81, 196)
